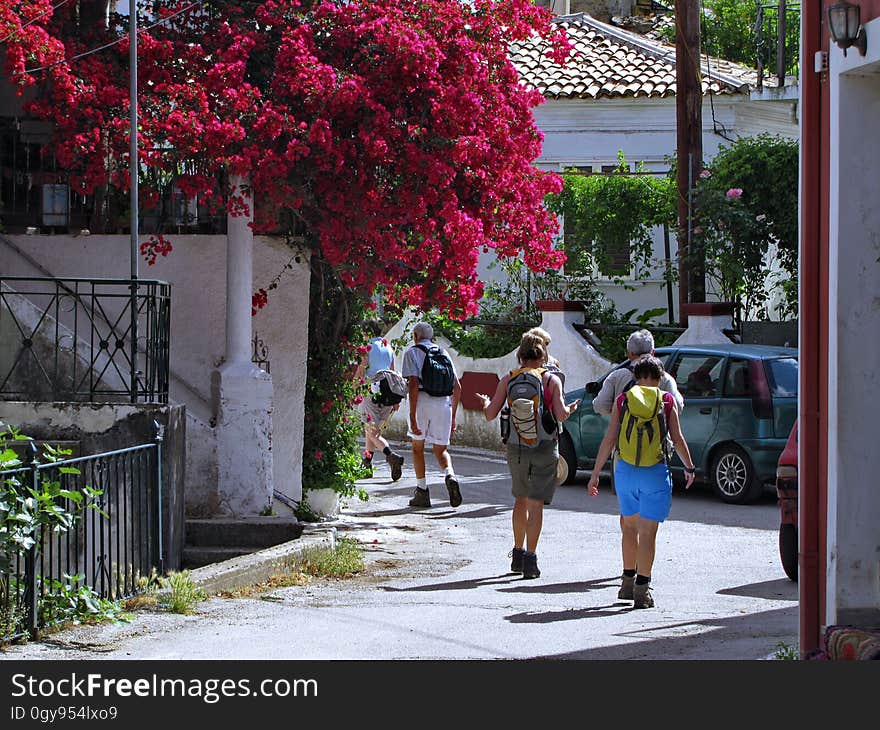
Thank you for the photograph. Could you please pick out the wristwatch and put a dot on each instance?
(691, 470)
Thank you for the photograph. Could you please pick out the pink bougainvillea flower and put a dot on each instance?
(414, 111)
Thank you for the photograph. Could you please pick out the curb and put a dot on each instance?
(261, 565)
(474, 452)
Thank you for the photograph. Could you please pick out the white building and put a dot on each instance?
(616, 94)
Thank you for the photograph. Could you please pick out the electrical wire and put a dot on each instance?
(108, 45)
(34, 20)
(722, 132)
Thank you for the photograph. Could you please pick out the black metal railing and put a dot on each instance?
(777, 34)
(114, 544)
(71, 339)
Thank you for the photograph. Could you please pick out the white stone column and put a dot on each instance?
(578, 359)
(706, 322)
(242, 392)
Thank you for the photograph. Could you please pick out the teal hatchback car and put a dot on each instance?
(740, 405)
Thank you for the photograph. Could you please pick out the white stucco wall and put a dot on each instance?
(196, 268)
(853, 537)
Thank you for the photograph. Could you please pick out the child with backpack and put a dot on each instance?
(642, 422)
(387, 390)
(532, 450)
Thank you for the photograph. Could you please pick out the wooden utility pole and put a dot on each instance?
(689, 126)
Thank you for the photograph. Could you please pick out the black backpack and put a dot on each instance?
(627, 366)
(438, 376)
(548, 420)
(392, 388)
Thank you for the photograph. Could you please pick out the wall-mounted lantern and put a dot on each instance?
(845, 27)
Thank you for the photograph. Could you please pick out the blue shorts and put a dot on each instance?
(643, 490)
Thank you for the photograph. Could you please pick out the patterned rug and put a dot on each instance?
(849, 643)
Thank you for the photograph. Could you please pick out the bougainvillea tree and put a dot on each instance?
(393, 138)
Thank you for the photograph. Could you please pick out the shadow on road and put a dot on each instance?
(458, 585)
(706, 639)
(782, 589)
(576, 587)
(570, 614)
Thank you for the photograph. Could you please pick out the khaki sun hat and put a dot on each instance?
(561, 471)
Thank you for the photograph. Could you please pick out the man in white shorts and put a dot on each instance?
(431, 417)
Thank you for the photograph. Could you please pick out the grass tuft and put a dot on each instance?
(180, 595)
(786, 651)
(345, 561)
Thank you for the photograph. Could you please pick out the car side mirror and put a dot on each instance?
(593, 388)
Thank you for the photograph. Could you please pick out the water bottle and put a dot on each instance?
(504, 420)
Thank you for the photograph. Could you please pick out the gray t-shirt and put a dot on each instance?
(618, 379)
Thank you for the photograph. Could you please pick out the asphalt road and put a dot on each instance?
(437, 586)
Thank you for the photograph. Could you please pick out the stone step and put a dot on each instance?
(197, 557)
(251, 532)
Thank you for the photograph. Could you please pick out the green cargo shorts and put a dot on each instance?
(533, 470)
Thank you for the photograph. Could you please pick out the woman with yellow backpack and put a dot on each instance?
(642, 423)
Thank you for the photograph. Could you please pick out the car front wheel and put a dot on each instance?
(733, 476)
(566, 451)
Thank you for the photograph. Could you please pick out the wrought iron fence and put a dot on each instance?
(83, 339)
(114, 542)
(777, 34)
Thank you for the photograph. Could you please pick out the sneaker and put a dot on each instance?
(530, 565)
(642, 597)
(626, 587)
(421, 498)
(367, 466)
(396, 462)
(516, 565)
(454, 491)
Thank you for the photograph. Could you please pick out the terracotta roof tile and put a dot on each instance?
(608, 62)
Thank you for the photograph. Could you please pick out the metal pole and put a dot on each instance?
(31, 589)
(759, 46)
(158, 439)
(133, 194)
(780, 44)
(667, 274)
(132, 60)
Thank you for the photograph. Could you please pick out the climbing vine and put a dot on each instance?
(611, 216)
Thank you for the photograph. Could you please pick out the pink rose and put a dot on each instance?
(734, 193)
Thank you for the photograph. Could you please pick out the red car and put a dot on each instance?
(787, 491)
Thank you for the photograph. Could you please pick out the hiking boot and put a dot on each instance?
(396, 462)
(421, 498)
(626, 587)
(642, 597)
(516, 565)
(530, 565)
(454, 491)
(367, 466)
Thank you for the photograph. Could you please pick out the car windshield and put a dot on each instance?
(784, 377)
